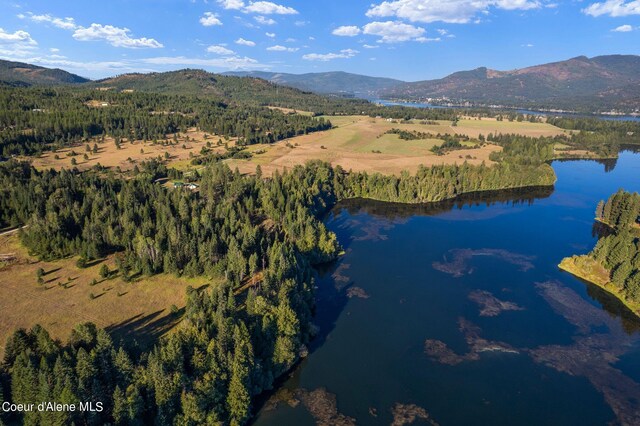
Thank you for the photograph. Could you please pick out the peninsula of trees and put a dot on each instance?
(614, 263)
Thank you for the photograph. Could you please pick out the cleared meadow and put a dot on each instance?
(141, 308)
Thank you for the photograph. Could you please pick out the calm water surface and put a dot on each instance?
(459, 310)
(521, 111)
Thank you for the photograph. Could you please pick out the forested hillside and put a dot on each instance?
(256, 92)
(336, 82)
(229, 346)
(581, 83)
(31, 119)
(21, 74)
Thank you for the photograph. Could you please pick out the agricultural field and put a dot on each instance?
(359, 143)
(141, 309)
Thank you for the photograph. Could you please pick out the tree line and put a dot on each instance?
(619, 252)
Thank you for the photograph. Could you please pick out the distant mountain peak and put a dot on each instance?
(579, 82)
(339, 82)
(22, 74)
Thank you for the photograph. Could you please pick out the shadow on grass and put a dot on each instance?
(144, 330)
(95, 262)
(51, 271)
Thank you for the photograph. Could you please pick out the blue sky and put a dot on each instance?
(405, 39)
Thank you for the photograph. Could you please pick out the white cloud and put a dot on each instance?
(16, 37)
(244, 42)
(234, 62)
(264, 21)
(220, 50)
(344, 54)
(451, 11)
(210, 19)
(118, 37)
(614, 8)
(231, 4)
(269, 8)
(278, 48)
(623, 29)
(526, 45)
(16, 44)
(103, 67)
(427, 39)
(260, 7)
(346, 31)
(270, 35)
(368, 46)
(300, 23)
(54, 50)
(393, 31)
(64, 23)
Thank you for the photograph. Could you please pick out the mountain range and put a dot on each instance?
(586, 84)
(611, 81)
(336, 82)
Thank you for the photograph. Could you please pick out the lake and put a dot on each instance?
(456, 314)
(516, 110)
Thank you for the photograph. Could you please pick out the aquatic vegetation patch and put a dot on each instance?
(459, 266)
(491, 306)
(440, 352)
(321, 404)
(357, 292)
(407, 414)
(592, 355)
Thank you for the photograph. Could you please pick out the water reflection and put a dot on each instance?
(394, 211)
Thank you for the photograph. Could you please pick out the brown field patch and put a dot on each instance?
(109, 155)
(139, 309)
(351, 144)
(290, 110)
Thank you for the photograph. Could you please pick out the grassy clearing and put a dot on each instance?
(140, 309)
(359, 143)
(356, 143)
(473, 127)
(290, 110)
(130, 153)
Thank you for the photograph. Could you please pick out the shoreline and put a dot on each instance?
(569, 264)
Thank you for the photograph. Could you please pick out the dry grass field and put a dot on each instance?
(139, 309)
(130, 153)
(359, 143)
(356, 143)
(290, 110)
